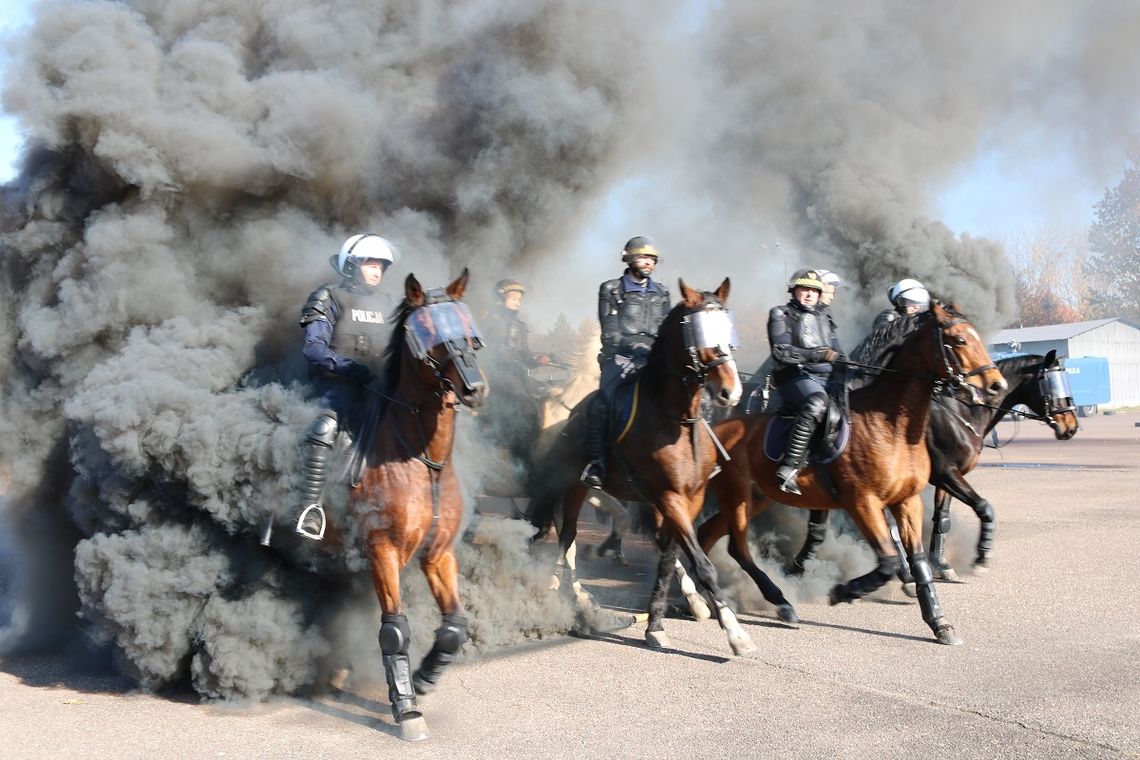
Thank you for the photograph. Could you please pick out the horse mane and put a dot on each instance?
(878, 347)
(393, 352)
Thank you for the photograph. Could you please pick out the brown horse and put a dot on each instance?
(409, 495)
(885, 464)
(665, 453)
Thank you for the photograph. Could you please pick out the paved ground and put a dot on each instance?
(1050, 667)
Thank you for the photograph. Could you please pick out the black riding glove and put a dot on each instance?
(360, 374)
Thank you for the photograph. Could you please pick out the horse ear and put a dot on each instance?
(1051, 358)
(941, 316)
(458, 286)
(722, 291)
(692, 298)
(413, 292)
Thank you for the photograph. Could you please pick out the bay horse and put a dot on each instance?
(663, 456)
(886, 462)
(409, 494)
(958, 428)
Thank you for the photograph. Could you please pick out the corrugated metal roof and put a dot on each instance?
(1049, 332)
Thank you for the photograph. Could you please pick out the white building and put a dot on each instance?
(1114, 339)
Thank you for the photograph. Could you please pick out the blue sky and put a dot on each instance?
(1000, 195)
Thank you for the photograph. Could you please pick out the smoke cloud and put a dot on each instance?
(191, 166)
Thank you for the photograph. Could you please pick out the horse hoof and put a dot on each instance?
(946, 575)
(697, 607)
(910, 589)
(656, 639)
(794, 568)
(787, 613)
(422, 685)
(620, 560)
(339, 678)
(981, 566)
(741, 644)
(946, 635)
(838, 594)
(414, 729)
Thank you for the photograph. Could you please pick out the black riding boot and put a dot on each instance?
(796, 452)
(597, 421)
(315, 474)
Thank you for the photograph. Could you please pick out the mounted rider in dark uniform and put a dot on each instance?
(347, 329)
(511, 414)
(907, 297)
(804, 345)
(631, 308)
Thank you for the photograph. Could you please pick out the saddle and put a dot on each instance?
(827, 442)
(623, 408)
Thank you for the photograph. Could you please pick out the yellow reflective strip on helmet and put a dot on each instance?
(645, 250)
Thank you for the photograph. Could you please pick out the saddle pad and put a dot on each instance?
(623, 408)
(776, 441)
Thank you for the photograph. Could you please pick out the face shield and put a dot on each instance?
(1056, 390)
(710, 328)
(451, 324)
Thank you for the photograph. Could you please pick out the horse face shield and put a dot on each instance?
(451, 325)
(1057, 393)
(710, 337)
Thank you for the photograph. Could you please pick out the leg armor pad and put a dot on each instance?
(395, 633)
(323, 429)
(449, 637)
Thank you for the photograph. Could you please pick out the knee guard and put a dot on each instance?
(395, 633)
(323, 429)
(450, 636)
(920, 568)
(815, 407)
(942, 524)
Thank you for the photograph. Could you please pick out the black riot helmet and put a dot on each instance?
(639, 246)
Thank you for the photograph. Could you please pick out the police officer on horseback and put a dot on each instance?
(507, 331)
(907, 297)
(804, 347)
(631, 308)
(347, 329)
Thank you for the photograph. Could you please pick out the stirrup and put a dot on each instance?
(593, 479)
(788, 483)
(311, 510)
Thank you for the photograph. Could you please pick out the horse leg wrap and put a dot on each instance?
(857, 588)
(985, 513)
(449, 637)
(938, 538)
(611, 546)
(394, 637)
(903, 571)
(927, 598)
(816, 532)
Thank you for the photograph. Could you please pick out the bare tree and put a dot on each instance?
(1050, 272)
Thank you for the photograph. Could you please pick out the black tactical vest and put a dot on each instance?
(632, 316)
(362, 330)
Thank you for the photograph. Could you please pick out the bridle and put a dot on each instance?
(956, 373)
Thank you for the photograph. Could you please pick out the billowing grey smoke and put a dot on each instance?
(193, 164)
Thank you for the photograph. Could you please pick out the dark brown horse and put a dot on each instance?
(663, 456)
(409, 494)
(958, 428)
(885, 464)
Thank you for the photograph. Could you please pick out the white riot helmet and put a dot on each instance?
(830, 278)
(908, 290)
(360, 247)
